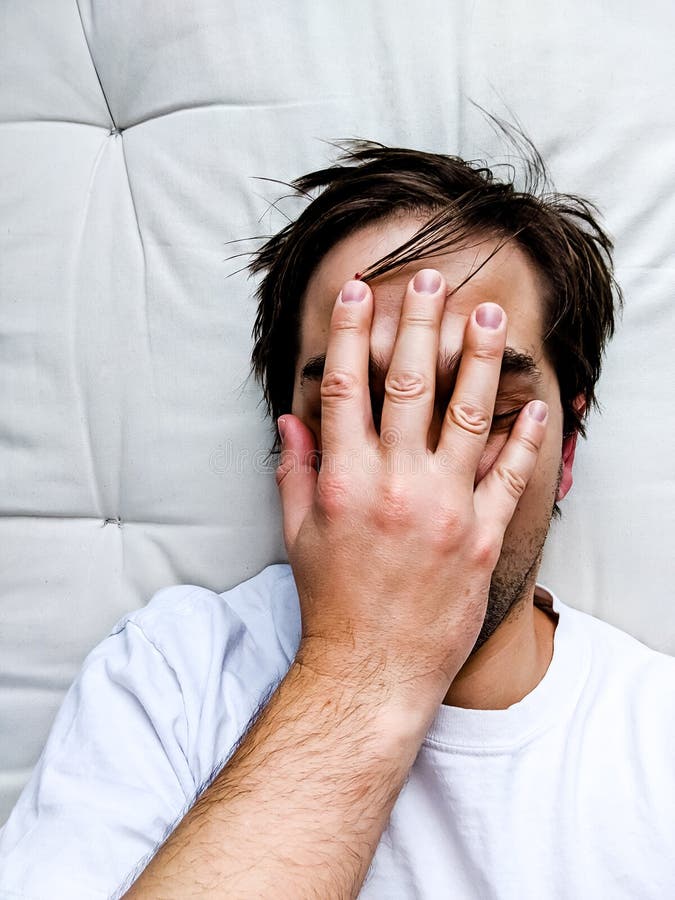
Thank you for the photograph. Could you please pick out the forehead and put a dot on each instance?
(509, 278)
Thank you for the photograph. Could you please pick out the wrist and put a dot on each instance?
(402, 707)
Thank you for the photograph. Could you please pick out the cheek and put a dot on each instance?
(314, 425)
(307, 409)
(298, 404)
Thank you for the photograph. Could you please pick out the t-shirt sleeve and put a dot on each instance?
(112, 781)
(155, 712)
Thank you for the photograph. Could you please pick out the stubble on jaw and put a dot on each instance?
(514, 577)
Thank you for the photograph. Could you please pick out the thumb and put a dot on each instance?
(296, 474)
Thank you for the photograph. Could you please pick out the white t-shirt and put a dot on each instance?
(569, 793)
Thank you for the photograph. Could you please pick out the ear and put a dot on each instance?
(568, 449)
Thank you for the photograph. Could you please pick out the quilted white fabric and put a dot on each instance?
(132, 138)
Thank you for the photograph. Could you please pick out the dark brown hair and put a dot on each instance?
(462, 199)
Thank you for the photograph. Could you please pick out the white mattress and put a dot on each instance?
(131, 138)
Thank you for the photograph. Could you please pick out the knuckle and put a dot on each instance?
(450, 520)
(338, 385)
(280, 473)
(469, 417)
(405, 385)
(332, 495)
(285, 467)
(487, 352)
(418, 319)
(347, 322)
(513, 481)
(393, 504)
(526, 440)
(485, 551)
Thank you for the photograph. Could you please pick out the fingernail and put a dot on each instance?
(489, 315)
(537, 409)
(427, 281)
(354, 291)
(281, 425)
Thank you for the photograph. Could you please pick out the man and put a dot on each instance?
(403, 712)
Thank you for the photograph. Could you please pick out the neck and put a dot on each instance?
(510, 664)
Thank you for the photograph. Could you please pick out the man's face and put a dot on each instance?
(508, 279)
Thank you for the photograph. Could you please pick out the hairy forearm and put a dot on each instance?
(300, 807)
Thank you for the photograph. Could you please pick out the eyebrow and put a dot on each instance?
(514, 362)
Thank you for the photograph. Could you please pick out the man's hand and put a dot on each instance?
(392, 551)
(391, 547)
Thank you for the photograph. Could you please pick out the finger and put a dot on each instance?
(468, 416)
(409, 387)
(346, 415)
(497, 495)
(296, 474)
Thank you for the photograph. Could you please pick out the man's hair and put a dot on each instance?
(461, 201)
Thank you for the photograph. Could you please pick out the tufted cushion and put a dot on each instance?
(132, 451)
